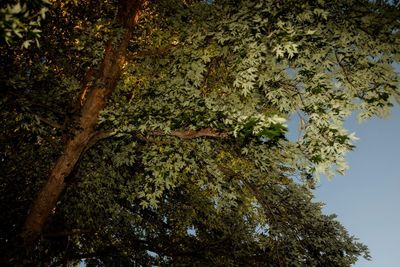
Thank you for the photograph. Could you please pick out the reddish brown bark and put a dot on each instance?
(110, 71)
(191, 134)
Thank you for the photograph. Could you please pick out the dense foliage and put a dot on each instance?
(189, 163)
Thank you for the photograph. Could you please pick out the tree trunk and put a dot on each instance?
(110, 71)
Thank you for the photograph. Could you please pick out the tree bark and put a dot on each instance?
(110, 71)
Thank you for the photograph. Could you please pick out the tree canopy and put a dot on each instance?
(142, 133)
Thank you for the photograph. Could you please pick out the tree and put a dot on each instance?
(160, 129)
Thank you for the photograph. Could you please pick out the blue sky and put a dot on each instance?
(367, 198)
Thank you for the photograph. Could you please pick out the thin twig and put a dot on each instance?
(346, 76)
(49, 122)
(71, 232)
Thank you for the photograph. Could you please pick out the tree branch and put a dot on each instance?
(71, 232)
(97, 136)
(269, 212)
(49, 122)
(182, 134)
(191, 134)
(346, 75)
(160, 51)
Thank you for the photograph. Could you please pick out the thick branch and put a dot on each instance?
(191, 134)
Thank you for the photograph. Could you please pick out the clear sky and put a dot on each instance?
(367, 198)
